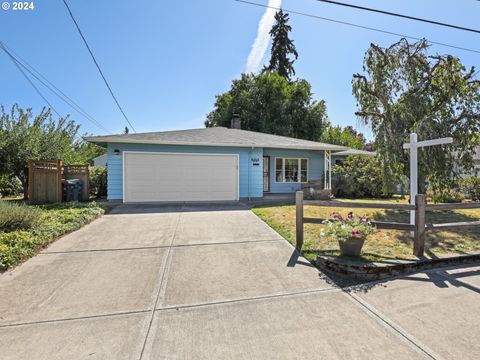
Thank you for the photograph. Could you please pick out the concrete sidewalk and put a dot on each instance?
(192, 282)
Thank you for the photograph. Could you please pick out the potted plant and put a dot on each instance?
(350, 232)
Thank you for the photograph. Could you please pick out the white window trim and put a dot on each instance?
(283, 170)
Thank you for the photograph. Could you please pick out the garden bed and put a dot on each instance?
(26, 229)
(387, 245)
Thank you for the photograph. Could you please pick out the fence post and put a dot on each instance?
(87, 183)
(59, 180)
(30, 181)
(419, 239)
(299, 219)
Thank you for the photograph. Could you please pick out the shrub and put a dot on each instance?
(10, 186)
(15, 216)
(448, 195)
(471, 187)
(14, 247)
(98, 181)
(358, 176)
(56, 220)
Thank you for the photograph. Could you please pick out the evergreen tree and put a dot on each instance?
(282, 47)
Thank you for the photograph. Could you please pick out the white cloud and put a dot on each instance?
(260, 45)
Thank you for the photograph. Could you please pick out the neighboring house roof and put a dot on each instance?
(100, 160)
(215, 136)
(355, 152)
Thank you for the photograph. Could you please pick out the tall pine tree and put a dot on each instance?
(282, 47)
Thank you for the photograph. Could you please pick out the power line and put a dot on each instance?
(358, 26)
(64, 97)
(401, 16)
(54, 89)
(17, 64)
(98, 66)
(28, 79)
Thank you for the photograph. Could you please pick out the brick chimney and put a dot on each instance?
(235, 123)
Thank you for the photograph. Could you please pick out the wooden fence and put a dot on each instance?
(419, 228)
(45, 180)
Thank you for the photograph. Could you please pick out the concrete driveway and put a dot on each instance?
(215, 282)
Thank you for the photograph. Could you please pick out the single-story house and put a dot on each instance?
(100, 160)
(210, 164)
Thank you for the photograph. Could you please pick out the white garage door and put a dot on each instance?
(179, 177)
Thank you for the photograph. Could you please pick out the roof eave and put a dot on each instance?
(103, 140)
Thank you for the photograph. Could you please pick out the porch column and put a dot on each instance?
(328, 169)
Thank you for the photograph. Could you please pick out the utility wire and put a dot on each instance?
(28, 79)
(98, 66)
(17, 64)
(357, 26)
(400, 15)
(50, 86)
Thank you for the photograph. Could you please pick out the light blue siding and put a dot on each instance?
(251, 183)
(315, 167)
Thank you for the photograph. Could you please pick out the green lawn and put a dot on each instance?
(39, 227)
(384, 246)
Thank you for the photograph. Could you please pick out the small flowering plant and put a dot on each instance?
(347, 228)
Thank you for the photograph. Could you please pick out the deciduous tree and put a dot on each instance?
(24, 136)
(271, 104)
(345, 136)
(403, 90)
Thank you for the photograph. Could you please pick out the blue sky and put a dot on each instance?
(166, 60)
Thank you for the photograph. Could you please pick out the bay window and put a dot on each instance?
(291, 170)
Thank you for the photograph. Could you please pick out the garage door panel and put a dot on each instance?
(180, 177)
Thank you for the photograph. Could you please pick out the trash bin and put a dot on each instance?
(72, 190)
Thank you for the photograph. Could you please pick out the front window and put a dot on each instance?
(291, 170)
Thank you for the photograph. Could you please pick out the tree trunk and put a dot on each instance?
(25, 190)
(23, 177)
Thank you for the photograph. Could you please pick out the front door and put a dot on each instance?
(266, 174)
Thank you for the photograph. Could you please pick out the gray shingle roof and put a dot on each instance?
(355, 152)
(216, 136)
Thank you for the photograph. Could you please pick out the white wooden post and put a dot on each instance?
(325, 169)
(413, 173)
(413, 147)
(328, 169)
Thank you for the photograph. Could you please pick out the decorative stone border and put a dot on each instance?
(364, 271)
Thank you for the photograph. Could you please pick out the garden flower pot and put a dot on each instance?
(352, 246)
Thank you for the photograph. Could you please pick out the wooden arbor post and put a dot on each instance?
(30, 180)
(419, 238)
(299, 219)
(59, 180)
